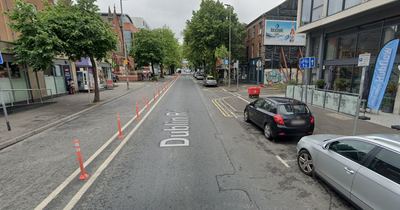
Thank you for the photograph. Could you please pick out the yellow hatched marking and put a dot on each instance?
(221, 109)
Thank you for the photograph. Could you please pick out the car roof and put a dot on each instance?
(284, 100)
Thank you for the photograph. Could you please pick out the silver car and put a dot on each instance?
(364, 169)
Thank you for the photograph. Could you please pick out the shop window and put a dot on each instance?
(8, 69)
(344, 72)
(347, 45)
(331, 49)
(306, 12)
(335, 6)
(317, 10)
(48, 72)
(351, 3)
(3, 71)
(392, 32)
(368, 42)
(57, 71)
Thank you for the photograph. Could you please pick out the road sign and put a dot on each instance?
(226, 62)
(363, 59)
(258, 63)
(1, 59)
(125, 62)
(307, 62)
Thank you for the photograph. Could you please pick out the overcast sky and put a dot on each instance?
(174, 13)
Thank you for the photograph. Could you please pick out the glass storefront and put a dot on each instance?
(368, 42)
(347, 46)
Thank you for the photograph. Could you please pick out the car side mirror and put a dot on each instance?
(252, 103)
(325, 146)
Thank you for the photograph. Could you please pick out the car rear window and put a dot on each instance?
(293, 109)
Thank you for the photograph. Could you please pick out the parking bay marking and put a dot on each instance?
(221, 109)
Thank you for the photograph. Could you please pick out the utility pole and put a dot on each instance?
(123, 40)
(229, 63)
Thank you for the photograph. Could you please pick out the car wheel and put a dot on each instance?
(268, 132)
(246, 116)
(305, 162)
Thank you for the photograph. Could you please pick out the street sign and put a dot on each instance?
(307, 62)
(125, 62)
(1, 59)
(226, 62)
(363, 59)
(258, 63)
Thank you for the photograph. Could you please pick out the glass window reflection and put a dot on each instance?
(368, 42)
(306, 12)
(335, 6)
(351, 3)
(347, 46)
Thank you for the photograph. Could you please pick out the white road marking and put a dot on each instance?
(54, 194)
(284, 163)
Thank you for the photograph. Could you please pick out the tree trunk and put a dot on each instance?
(162, 69)
(152, 68)
(95, 77)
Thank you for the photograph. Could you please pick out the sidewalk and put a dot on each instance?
(31, 121)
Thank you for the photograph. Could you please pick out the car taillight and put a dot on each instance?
(312, 118)
(278, 119)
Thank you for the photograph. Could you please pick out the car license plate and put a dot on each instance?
(298, 122)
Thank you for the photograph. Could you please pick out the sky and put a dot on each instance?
(174, 13)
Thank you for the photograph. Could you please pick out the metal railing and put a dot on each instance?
(27, 95)
(342, 102)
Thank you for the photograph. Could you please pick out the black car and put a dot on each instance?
(280, 116)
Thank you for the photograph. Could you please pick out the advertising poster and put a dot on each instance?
(283, 33)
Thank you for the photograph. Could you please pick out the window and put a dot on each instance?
(259, 50)
(252, 51)
(268, 106)
(347, 46)
(318, 6)
(8, 69)
(391, 33)
(248, 34)
(351, 3)
(335, 6)
(386, 163)
(260, 28)
(354, 150)
(289, 109)
(258, 103)
(306, 12)
(254, 31)
(368, 42)
(330, 49)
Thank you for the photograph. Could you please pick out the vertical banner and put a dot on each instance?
(383, 69)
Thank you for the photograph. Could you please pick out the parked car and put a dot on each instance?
(210, 81)
(199, 76)
(280, 116)
(364, 169)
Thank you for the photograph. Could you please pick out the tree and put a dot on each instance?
(171, 49)
(83, 32)
(147, 48)
(208, 29)
(73, 30)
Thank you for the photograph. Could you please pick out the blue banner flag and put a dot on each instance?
(383, 69)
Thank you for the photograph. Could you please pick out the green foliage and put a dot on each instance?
(208, 30)
(281, 86)
(154, 78)
(341, 84)
(147, 48)
(170, 48)
(221, 52)
(320, 83)
(392, 88)
(293, 82)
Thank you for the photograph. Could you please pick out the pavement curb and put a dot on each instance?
(58, 122)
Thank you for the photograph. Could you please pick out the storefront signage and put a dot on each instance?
(383, 69)
(363, 59)
(109, 83)
(1, 59)
(283, 33)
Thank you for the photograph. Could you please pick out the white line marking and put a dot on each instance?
(284, 163)
(54, 194)
(224, 89)
(244, 99)
(93, 178)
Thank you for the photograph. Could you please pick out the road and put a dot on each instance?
(190, 150)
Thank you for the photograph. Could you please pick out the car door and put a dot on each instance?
(339, 162)
(377, 186)
(267, 112)
(254, 111)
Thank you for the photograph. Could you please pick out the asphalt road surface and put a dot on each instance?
(190, 150)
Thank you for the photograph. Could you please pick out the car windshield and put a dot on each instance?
(293, 109)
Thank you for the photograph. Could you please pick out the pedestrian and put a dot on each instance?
(149, 75)
(71, 86)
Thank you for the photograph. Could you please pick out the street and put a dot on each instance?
(190, 149)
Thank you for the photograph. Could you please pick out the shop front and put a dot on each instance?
(255, 75)
(84, 74)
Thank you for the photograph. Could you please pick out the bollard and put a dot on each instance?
(162, 89)
(154, 95)
(78, 152)
(158, 91)
(119, 128)
(147, 96)
(137, 111)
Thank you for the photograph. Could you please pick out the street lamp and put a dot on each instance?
(123, 40)
(229, 63)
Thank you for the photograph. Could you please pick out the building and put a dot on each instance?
(140, 22)
(338, 31)
(265, 45)
(14, 76)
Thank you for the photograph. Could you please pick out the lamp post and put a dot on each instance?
(123, 40)
(229, 63)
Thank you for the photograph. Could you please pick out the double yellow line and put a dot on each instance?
(221, 109)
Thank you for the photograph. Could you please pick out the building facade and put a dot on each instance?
(279, 59)
(140, 22)
(338, 31)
